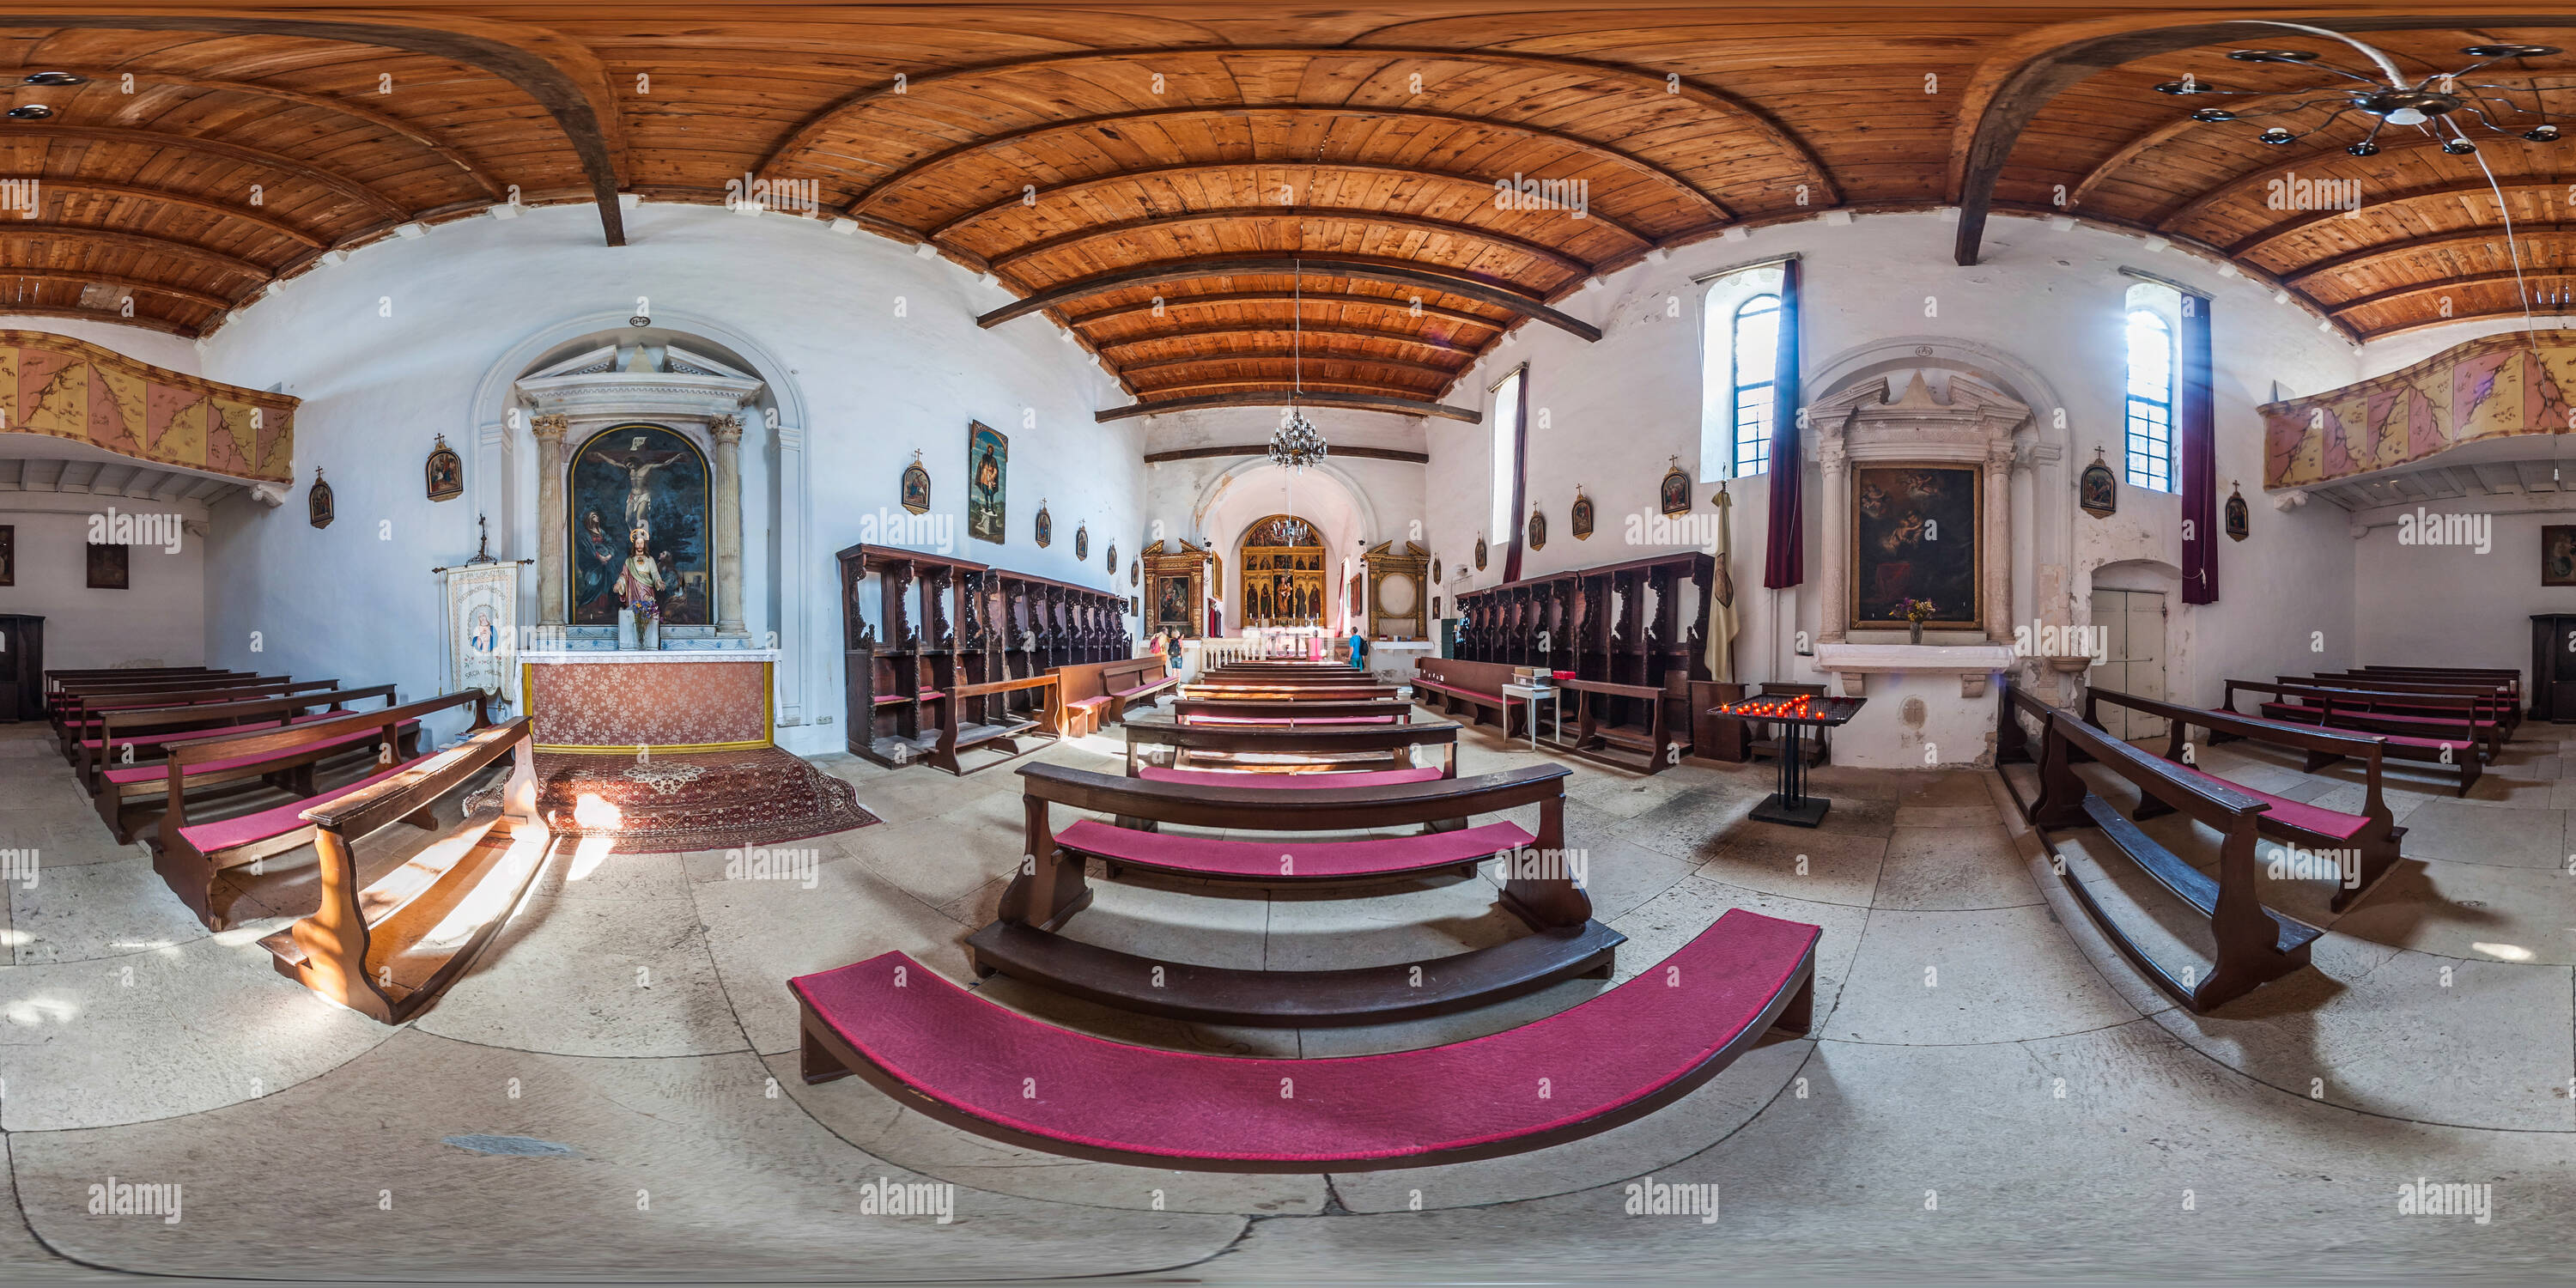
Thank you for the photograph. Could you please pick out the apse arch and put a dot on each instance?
(1236, 498)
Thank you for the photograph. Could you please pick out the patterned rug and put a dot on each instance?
(710, 801)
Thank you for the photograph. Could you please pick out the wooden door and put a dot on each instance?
(2133, 622)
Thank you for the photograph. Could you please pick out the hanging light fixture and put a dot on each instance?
(1295, 444)
(2438, 104)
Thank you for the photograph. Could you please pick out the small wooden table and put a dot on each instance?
(1791, 804)
(1530, 694)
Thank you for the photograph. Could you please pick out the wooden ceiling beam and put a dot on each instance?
(1025, 200)
(1178, 303)
(1226, 265)
(1717, 210)
(139, 242)
(1290, 355)
(278, 161)
(2031, 84)
(565, 78)
(71, 278)
(1263, 449)
(1283, 328)
(1311, 398)
(1352, 214)
(2477, 187)
(2166, 133)
(811, 130)
(2529, 272)
(145, 320)
(47, 184)
(2253, 181)
(151, 79)
(2510, 311)
(2430, 241)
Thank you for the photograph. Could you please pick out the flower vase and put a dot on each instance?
(1914, 632)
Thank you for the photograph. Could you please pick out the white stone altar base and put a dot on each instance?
(1940, 696)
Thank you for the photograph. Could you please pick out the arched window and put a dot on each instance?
(1756, 364)
(2149, 434)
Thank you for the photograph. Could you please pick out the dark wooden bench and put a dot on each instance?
(1287, 711)
(2254, 944)
(387, 948)
(128, 794)
(1360, 746)
(1457, 687)
(1565, 942)
(1358, 690)
(1093, 696)
(126, 736)
(2452, 744)
(1003, 737)
(1647, 748)
(61, 692)
(55, 680)
(2506, 677)
(2370, 836)
(189, 855)
(78, 708)
(2496, 713)
(1612, 1059)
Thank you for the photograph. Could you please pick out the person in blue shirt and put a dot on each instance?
(1359, 650)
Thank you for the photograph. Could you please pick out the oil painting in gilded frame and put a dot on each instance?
(916, 485)
(640, 509)
(1582, 522)
(2240, 520)
(109, 566)
(1046, 527)
(1480, 554)
(444, 472)
(2558, 554)
(1537, 529)
(2097, 491)
(988, 480)
(1676, 489)
(1082, 542)
(1914, 536)
(318, 509)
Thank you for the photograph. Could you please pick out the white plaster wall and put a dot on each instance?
(160, 619)
(880, 344)
(160, 348)
(1609, 415)
(2451, 606)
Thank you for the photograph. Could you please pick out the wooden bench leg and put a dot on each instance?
(815, 1061)
(1799, 1015)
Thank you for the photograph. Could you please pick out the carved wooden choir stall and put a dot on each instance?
(967, 653)
(1619, 628)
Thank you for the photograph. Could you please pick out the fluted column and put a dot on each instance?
(1996, 542)
(727, 432)
(551, 517)
(1830, 455)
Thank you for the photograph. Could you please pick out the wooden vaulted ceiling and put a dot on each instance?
(1198, 192)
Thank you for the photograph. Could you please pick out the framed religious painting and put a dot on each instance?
(1914, 537)
(1582, 522)
(1082, 541)
(2098, 489)
(2558, 554)
(916, 485)
(1135, 572)
(108, 566)
(2240, 522)
(639, 525)
(988, 464)
(1675, 489)
(1537, 529)
(1046, 527)
(444, 472)
(1111, 563)
(317, 502)
(8, 554)
(1480, 554)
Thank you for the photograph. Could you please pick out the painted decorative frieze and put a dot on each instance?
(66, 388)
(2497, 386)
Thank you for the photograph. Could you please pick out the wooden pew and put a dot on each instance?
(1650, 748)
(2495, 703)
(1288, 712)
(2452, 746)
(1566, 941)
(68, 697)
(1247, 691)
(2370, 836)
(2508, 678)
(388, 948)
(1359, 747)
(2254, 944)
(55, 679)
(938, 1049)
(1092, 696)
(1454, 687)
(1005, 737)
(189, 855)
(2463, 719)
(80, 719)
(118, 782)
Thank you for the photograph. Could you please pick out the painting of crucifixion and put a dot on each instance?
(640, 490)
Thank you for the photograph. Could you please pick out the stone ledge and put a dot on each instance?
(1854, 663)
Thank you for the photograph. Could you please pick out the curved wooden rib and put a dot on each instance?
(2510, 311)
(1283, 388)
(153, 79)
(1779, 136)
(1282, 328)
(1572, 264)
(2166, 133)
(1224, 265)
(2455, 282)
(2467, 188)
(1716, 209)
(565, 79)
(1413, 173)
(140, 243)
(2430, 241)
(1311, 398)
(216, 302)
(1177, 303)
(277, 161)
(2253, 180)
(46, 183)
(1285, 355)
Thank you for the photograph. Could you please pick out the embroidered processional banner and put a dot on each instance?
(483, 629)
(66, 388)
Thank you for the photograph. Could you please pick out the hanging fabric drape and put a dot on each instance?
(1722, 625)
(1784, 555)
(2197, 429)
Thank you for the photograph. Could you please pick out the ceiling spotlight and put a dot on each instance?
(2276, 136)
(2542, 134)
(2510, 51)
(2273, 56)
(30, 112)
(2213, 114)
(2459, 147)
(639, 320)
(54, 78)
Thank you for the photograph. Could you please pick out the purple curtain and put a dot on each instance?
(2197, 428)
(1784, 555)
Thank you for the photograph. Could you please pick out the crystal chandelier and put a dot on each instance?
(2438, 104)
(1295, 444)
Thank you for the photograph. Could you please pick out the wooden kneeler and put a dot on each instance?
(386, 950)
